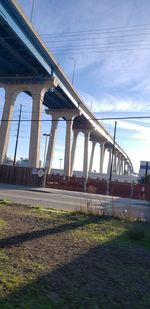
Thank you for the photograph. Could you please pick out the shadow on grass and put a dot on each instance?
(20, 238)
(106, 276)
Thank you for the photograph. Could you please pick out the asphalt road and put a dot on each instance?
(70, 200)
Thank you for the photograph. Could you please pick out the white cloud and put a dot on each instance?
(110, 103)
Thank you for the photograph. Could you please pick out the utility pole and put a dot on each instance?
(113, 151)
(17, 136)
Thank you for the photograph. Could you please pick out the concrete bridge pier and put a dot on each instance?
(68, 145)
(69, 116)
(51, 144)
(86, 152)
(114, 167)
(102, 155)
(10, 97)
(35, 134)
(36, 91)
(109, 161)
(122, 165)
(92, 156)
(119, 164)
(74, 143)
(128, 169)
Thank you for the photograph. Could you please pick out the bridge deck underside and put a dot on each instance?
(15, 58)
(17, 61)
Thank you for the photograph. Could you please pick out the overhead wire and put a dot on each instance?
(95, 118)
(109, 46)
(112, 44)
(98, 51)
(101, 30)
(120, 28)
(98, 38)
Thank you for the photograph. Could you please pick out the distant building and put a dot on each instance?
(144, 168)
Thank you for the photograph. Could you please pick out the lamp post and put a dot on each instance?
(46, 135)
(32, 11)
(74, 66)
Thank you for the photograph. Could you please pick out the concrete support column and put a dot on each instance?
(122, 166)
(86, 148)
(119, 164)
(35, 135)
(68, 115)
(67, 160)
(92, 156)
(51, 145)
(109, 161)
(37, 90)
(75, 134)
(102, 154)
(129, 169)
(125, 167)
(115, 163)
(10, 97)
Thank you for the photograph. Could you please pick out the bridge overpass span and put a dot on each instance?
(27, 65)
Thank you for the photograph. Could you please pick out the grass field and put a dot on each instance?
(55, 259)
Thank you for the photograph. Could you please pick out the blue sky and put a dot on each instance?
(108, 41)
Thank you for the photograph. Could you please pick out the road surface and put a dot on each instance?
(70, 200)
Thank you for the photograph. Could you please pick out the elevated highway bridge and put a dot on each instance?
(27, 65)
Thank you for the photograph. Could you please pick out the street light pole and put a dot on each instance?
(44, 161)
(32, 11)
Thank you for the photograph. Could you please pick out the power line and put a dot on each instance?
(96, 48)
(61, 119)
(106, 29)
(98, 44)
(72, 52)
(98, 37)
(111, 29)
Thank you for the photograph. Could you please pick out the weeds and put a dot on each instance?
(4, 202)
(2, 224)
(139, 232)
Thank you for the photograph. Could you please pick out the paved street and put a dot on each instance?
(69, 200)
